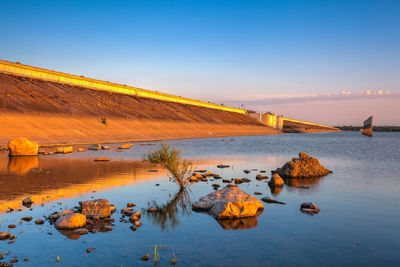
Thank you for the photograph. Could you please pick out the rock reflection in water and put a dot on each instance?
(276, 190)
(71, 234)
(240, 224)
(167, 215)
(22, 164)
(298, 182)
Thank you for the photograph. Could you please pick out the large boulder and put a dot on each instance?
(302, 167)
(229, 203)
(98, 208)
(22, 147)
(71, 221)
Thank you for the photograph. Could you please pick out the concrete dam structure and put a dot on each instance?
(288, 125)
(52, 107)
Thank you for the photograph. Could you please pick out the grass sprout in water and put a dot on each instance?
(169, 158)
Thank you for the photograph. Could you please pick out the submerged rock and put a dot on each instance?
(98, 208)
(90, 250)
(302, 167)
(22, 147)
(276, 181)
(39, 221)
(229, 203)
(81, 231)
(125, 146)
(221, 166)
(71, 221)
(65, 150)
(271, 200)
(145, 257)
(27, 218)
(95, 147)
(309, 207)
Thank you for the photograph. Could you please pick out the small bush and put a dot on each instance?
(103, 121)
(169, 158)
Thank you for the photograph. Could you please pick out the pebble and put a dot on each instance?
(39, 221)
(27, 218)
(146, 257)
(90, 250)
(12, 226)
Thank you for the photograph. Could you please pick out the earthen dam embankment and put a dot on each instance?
(57, 113)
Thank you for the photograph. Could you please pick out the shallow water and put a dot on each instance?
(357, 225)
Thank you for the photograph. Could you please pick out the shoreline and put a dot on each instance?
(50, 130)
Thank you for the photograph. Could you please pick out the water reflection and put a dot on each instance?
(167, 215)
(240, 224)
(276, 190)
(22, 164)
(303, 182)
(55, 178)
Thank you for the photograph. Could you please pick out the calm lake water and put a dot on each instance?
(357, 225)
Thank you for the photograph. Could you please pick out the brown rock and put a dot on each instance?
(130, 205)
(39, 221)
(229, 203)
(105, 147)
(81, 149)
(145, 257)
(113, 208)
(257, 193)
(27, 202)
(90, 250)
(65, 150)
(22, 147)
(127, 211)
(71, 221)
(11, 226)
(261, 177)
(95, 147)
(4, 235)
(309, 207)
(138, 214)
(102, 159)
(302, 167)
(276, 181)
(98, 208)
(27, 218)
(234, 210)
(238, 181)
(125, 146)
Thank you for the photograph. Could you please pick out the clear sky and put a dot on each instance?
(305, 59)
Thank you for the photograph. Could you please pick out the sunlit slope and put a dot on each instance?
(50, 113)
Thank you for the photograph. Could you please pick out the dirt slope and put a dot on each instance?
(52, 113)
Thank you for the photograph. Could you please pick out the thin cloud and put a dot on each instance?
(287, 99)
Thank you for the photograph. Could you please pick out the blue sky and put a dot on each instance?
(222, 51)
